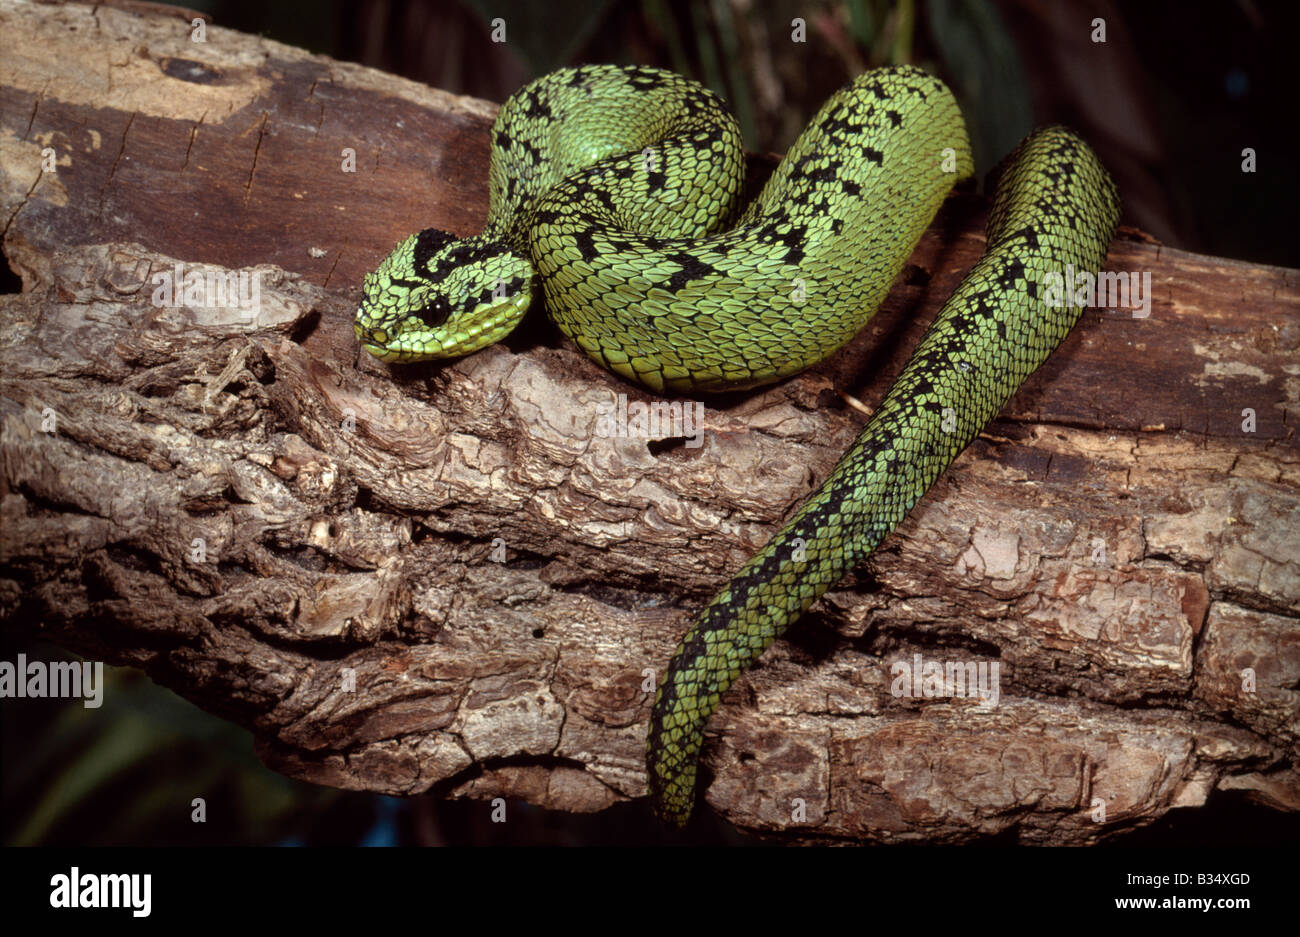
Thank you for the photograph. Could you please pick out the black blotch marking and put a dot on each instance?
(537, 106)
(840, 126)
(709, 137)
(879, 91)
(793, 239)
(586, 246)
(534, 154)
(797, 167)
(427, 243)
(1015, 271)
(692, 269)
(464, 254)
(1028, 235)
(701, 102)
(982, 308)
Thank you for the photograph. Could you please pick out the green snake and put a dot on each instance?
(615, 191)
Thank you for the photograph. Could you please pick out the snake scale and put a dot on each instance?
(614, 191)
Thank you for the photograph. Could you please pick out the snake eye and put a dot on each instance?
(435, 312)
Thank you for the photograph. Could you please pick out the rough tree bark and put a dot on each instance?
(301, 539)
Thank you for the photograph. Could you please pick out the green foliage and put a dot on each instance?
(127, 772)
(981, 59)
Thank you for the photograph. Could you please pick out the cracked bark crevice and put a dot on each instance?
(304, 540)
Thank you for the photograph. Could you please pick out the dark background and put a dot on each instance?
(1169, 101)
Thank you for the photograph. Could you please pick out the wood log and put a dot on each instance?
(444, 577)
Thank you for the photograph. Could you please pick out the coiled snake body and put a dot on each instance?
(614, 190)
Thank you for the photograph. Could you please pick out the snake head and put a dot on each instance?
(438, 297)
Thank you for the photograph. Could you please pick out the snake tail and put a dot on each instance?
(1055, 206)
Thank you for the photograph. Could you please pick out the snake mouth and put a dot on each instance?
(409, 354)
(379, 351)
(381, 343)
(394, 350)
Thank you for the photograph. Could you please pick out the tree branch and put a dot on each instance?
(444, 575)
